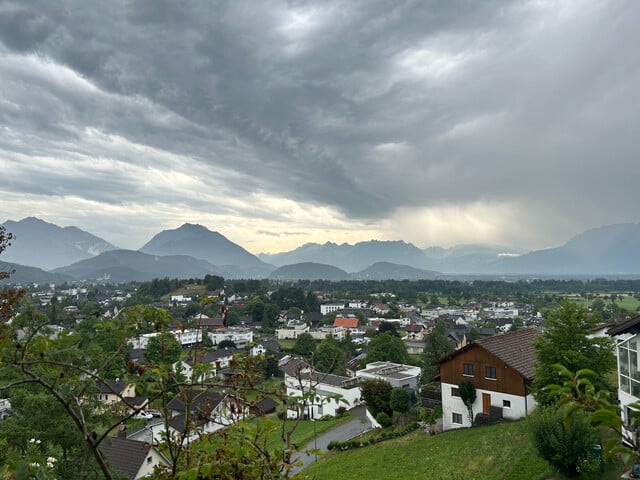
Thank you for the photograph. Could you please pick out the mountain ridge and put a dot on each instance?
(599, 251)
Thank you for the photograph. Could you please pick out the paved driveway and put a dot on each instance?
(354, 427)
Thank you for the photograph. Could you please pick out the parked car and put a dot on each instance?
(154, 413)
(143, 415)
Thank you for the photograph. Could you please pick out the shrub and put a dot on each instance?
(383, 419)
(563, 445)
(340, 411)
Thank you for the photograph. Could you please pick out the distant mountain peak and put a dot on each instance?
(200, 242)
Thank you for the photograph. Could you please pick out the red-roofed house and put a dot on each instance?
(501, 368)
(346, 322)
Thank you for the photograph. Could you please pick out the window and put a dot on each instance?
(506, 403)
(468, 369)
(456, 418)
(490, 372)
(149, 459)
(455, 392)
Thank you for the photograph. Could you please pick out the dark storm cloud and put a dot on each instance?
(367, 106)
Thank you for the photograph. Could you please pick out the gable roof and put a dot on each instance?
(346, 322)
(292, 366)
(124, 455)
(199, 401)
(114, 387)
(514, 348)
(631, 325)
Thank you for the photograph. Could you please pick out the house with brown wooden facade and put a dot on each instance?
(500, 367)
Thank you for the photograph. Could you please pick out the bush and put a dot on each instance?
(340, 411)
(564, 446)
(383, 419)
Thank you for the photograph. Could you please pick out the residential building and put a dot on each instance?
(350, 322)
(132, 459)
(292, 331)
(627, 338)
(241, 336)
(321, 333)
(331, 307)
(397, 374)
(500, 367)
(330, 393)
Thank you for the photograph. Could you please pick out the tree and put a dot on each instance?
(163, 348)
(400, 400)
(377, 395)
(329, 357)
(227, 344)
(390, 327)
(437, 346)
(565, 341)
(9, 297)
(564, 445)
(305, 345)
(468, 395)
(270, 317)
(387, 348)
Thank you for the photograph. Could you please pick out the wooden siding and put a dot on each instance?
(507, 379)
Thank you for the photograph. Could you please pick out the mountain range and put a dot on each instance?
(44, 252)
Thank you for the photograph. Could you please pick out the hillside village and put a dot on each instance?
(326, 353)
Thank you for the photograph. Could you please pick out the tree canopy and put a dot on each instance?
(386, 347)
(566, 341)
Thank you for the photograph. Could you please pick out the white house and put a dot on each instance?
(321, 333)
(330, 392)
(214, 362)
(292, 331)
(131, 458)
(331, 307)
(239, 335)
(627, 338)
(204, 411)
(500, 367)
(397, 374)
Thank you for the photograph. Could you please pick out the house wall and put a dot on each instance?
(628, 356)
(518, 406)
(323, 404)
(153, 458)
(507, 380)
(291, 333)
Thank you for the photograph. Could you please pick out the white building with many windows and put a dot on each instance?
(627, 338)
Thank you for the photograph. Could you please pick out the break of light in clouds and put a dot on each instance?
(278, 123)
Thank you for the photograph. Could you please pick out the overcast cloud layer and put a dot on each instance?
(278, 123)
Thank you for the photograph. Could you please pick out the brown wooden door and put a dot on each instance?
(486, 403)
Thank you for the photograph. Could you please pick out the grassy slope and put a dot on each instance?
(497, 452)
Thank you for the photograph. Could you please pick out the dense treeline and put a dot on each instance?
(289, 294)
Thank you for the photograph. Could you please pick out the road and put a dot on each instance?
(346, 431)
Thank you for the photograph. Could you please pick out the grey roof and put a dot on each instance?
(330, 379)
(124, 455)
(111, 386)
(199, 401)
(264, 406)
(515, 349)
(631, 325)
(292, 366)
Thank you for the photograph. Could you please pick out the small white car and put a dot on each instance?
(142, 415)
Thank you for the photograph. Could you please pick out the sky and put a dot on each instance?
(278, 123)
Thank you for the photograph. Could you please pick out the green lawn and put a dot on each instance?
(502, 451)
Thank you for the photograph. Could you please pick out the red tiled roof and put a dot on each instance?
(345, 322)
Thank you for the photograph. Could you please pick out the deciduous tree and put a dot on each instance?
(566, 341)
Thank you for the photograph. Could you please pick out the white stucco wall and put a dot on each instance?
(520, 406)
